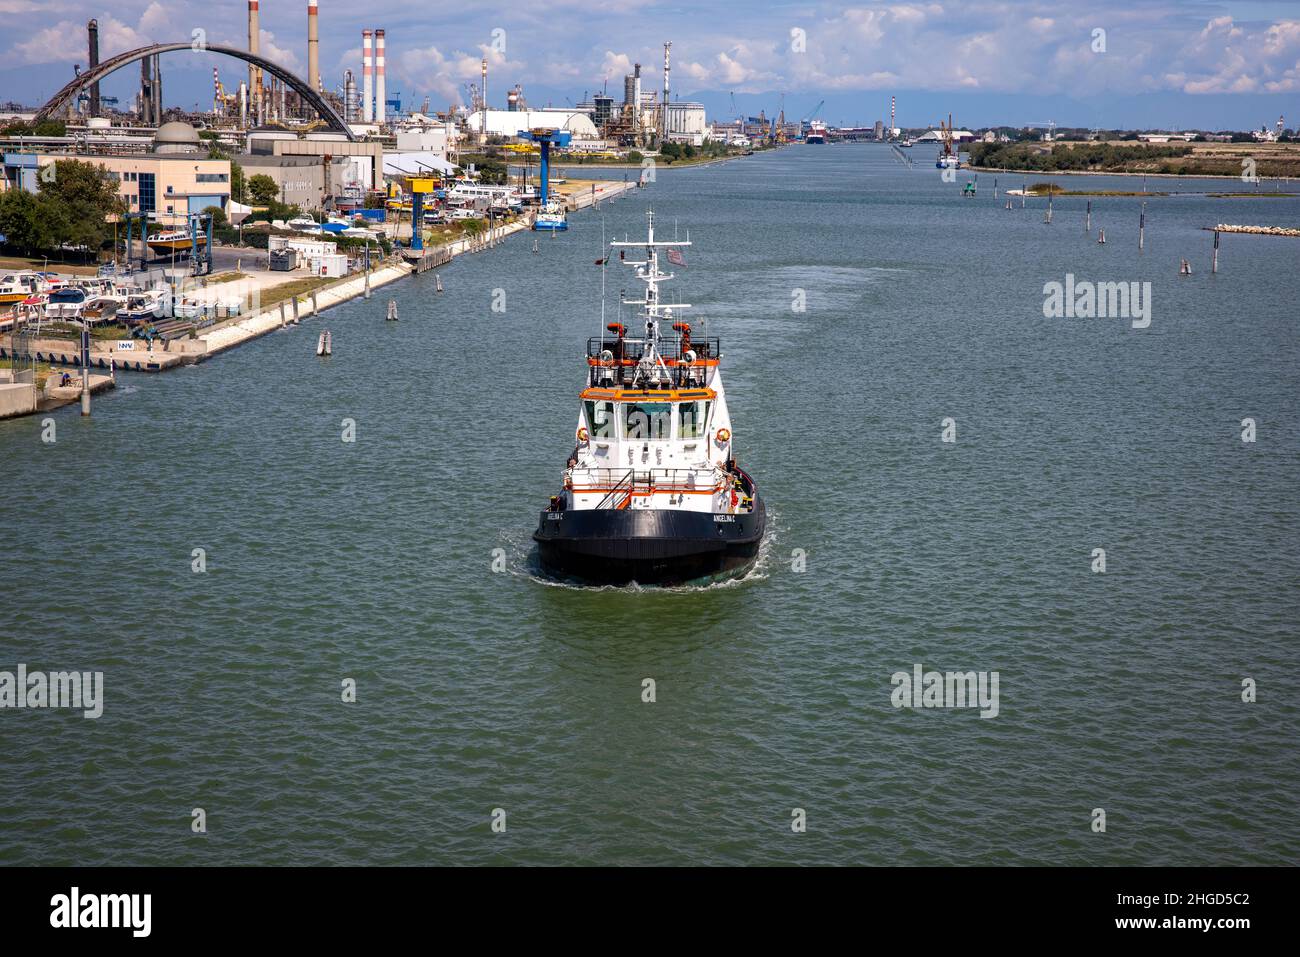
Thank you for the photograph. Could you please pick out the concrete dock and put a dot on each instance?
(238, 331)
(20, 394)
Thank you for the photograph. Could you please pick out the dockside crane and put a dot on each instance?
(810, 116)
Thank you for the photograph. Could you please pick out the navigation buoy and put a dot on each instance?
(392, 310)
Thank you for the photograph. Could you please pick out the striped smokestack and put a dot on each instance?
(663, 132)
(313, 48)
(367, 84)
(379, 76)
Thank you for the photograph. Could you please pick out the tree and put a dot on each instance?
(262, 189)
(492, 173)
(236, 182)
(79, 199)
(25, 221)
(218, 215)
(43, 128)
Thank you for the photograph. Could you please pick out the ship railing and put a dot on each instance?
(618, 486)
(669, 348)
(625, 377)
(624, 486)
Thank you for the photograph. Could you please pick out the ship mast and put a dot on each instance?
(647, 270)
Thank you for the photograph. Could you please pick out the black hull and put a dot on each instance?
(648, 546)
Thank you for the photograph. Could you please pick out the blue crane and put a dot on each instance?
(546, 138)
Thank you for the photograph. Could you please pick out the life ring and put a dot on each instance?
(724, 436)
(582, 433)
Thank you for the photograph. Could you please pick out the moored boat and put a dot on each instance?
(551, 217)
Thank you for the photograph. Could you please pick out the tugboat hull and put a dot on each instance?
(648, 546)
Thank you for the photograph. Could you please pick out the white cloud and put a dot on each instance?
(282, 56)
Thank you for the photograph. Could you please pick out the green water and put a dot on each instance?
(480, 689)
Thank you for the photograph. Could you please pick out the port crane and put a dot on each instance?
(810, 116)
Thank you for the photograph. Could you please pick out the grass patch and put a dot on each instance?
(226, 277)
(68, 330)
(43, 370)
(289, 290)
(39, 264)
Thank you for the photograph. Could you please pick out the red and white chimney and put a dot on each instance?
(313, 47)
(367, 83)
(379, 76)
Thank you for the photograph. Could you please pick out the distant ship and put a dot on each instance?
(816, 132)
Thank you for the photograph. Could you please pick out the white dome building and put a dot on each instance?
(176, 137)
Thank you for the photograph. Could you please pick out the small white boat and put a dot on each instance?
(551, 217)
(17, 286)
(175, 241)
(143, 305)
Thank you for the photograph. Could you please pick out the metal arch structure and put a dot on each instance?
(111, 65)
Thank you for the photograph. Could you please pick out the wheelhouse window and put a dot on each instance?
(600, 419)
(648, 420)
(692, 419)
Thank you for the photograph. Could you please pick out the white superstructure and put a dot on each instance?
(653, 430)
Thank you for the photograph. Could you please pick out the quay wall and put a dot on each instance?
(282, 313)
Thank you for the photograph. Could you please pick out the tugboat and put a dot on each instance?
(651, 492)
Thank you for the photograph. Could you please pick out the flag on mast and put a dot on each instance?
(675, 257)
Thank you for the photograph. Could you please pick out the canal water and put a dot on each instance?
(860, 304)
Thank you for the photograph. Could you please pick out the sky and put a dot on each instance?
(1148, 64)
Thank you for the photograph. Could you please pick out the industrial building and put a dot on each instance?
(365, 157)
(173, 180)
(422, 134)
(687, 123)
(304, 181)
